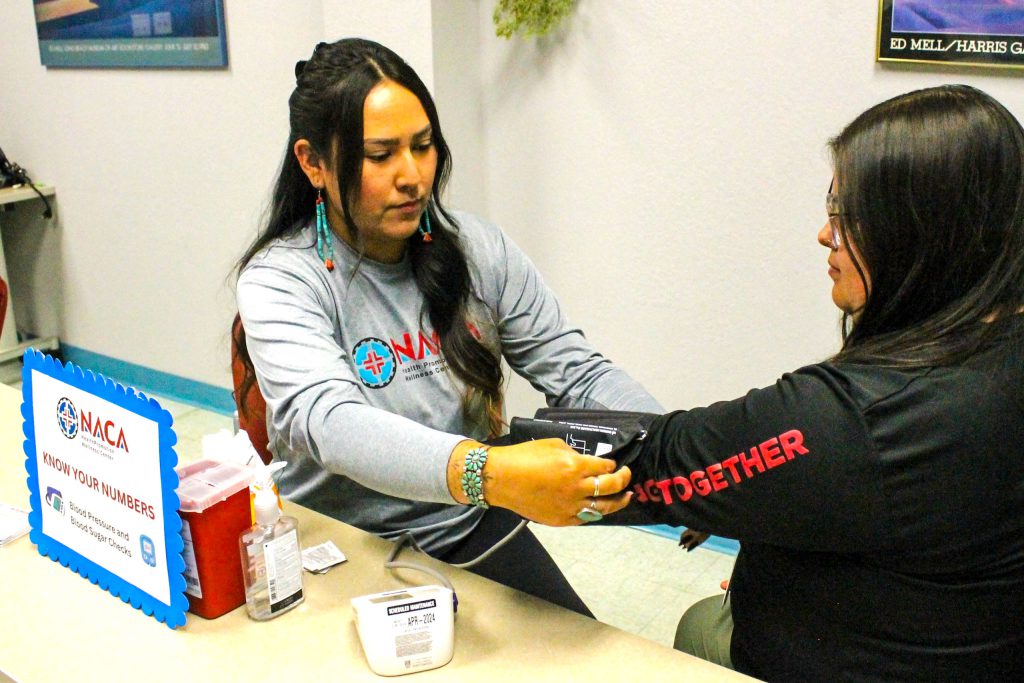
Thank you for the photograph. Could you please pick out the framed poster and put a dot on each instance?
(967, 32)
(101, 479)
(131, 33)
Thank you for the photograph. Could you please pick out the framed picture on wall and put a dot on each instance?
(967, 32)
(131, 33)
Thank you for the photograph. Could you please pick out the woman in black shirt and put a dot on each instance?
(879, 496)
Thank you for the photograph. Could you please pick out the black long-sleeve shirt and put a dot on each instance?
(880, 514)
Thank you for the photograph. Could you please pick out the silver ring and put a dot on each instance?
(597, 486)
(591, 513)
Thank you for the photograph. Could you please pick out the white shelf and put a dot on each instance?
(9, 195)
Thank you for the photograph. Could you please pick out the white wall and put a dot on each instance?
(402, 25)
(162, 177)
(458, 93)
(662, 162)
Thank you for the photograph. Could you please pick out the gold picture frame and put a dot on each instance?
(976, 33)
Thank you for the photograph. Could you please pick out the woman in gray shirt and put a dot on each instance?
(375, 322)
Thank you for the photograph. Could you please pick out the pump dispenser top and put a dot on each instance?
(265, 502)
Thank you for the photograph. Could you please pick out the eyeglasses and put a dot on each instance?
(835, 212)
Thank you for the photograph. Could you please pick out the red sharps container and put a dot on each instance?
(214, 511)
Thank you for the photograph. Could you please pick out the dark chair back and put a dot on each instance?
(252, 409)
(3, 303)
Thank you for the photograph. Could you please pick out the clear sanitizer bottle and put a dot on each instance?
(271, 559)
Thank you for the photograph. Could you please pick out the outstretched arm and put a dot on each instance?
(545, 481)
(792, 464)
(536, 338)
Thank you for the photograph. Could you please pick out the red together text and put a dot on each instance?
(720, 475)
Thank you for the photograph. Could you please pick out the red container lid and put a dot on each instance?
(205, 483)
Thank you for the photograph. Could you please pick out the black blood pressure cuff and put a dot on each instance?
(613, 434)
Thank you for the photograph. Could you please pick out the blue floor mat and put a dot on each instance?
(717, 543)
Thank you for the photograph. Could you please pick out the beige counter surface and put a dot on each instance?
(56, 626)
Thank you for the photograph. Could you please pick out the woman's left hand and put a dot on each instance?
(548, 482)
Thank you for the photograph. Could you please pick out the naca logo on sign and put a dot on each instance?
(70, 420)
(67, 418)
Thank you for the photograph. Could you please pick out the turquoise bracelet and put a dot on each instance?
(473, 476)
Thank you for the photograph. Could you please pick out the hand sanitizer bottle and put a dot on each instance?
(271, 559)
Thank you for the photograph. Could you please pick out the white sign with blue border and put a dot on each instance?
(100, 462)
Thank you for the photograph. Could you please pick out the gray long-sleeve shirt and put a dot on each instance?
(359, 400)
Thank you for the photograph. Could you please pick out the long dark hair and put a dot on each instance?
(326, 108)
(931, 185)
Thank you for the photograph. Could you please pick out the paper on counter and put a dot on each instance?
(13, 523)
(320, 558)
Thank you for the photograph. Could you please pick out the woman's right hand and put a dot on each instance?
(545, 481)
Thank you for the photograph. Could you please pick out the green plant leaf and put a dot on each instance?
(529, 17)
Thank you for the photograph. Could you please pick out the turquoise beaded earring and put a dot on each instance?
(425, 226)
(323, 233)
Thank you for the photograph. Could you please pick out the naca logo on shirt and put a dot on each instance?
(377, 362)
